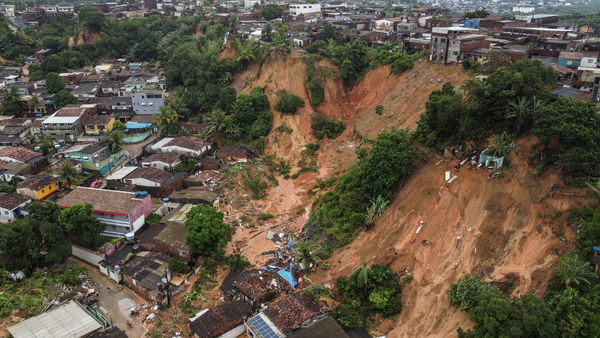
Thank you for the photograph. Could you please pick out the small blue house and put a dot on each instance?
(490, 161)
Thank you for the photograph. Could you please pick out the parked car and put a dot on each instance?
(96, 183)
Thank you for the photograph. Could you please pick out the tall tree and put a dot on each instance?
(207, 234)
(67, 174)
(54, 83)
(113, 140)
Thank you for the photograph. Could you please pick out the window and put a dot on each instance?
(43, 191)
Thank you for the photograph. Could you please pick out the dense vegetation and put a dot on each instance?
(368, 291)
(354, 58)
(288, 103)
(515, 100)
(43, 238)
(343, 210)
(323, 126)
(207, 234)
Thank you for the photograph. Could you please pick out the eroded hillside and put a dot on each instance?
(508, 227)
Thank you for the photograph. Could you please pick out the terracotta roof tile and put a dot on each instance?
(11, 201)
(19, 153)
(291, 311)
(35, 183)
(188, 142)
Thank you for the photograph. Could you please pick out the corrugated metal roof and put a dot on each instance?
(68, 320)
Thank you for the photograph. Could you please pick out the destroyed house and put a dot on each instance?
(145, 272)
(224, 320)
(262, 287)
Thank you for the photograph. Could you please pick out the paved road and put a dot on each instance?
(115, 301)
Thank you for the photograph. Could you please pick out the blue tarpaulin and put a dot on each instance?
(284, 273)
(136, 125)
(596, 249)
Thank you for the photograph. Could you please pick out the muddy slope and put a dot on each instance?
(506, 229)
(509, 227)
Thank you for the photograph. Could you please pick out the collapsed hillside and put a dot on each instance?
(509, 227)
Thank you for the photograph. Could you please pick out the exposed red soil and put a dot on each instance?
(84, 38)
(508, 228)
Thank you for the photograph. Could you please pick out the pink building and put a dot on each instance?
(121, 211)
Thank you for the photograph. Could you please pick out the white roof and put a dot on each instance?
(61, 119)
(121, 173)
(68, 320)
(161, 143)
(445, 30)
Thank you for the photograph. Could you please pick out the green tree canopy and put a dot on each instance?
(272, 11)
(207, 234)
(54, 83)
(83, 228)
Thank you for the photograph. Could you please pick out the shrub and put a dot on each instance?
(256, 185)
(288, 103)
(379, 110)
(374, 290)
(466, 291)
(178, 265)
(326, 127)
(264, 217)
(344, 209)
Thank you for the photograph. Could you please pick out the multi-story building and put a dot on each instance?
(65, 124)
(122, 211)
(147, 102)
(298, 9)
(451, 44)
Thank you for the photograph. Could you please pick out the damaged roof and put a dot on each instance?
(291, 311)
(261, 285)
(221, 319)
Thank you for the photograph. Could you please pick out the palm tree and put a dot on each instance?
(361, 278)
(67, 174)
(215, 122)
(304, 255)
(113, 140)
(574, 272)
(45, 142)
(234, 132)
(376, 209)
(502, 145)
(520, 111)
(246, 51)
(167, 118)
(594, 187)
(35, 102)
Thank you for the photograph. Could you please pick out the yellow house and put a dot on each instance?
(37, 187)
(98, 124)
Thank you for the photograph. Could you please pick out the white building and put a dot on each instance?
(297, 9)
(184, 145)
(248, 4)
(11, 205)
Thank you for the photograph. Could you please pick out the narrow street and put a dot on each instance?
(115, 301)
